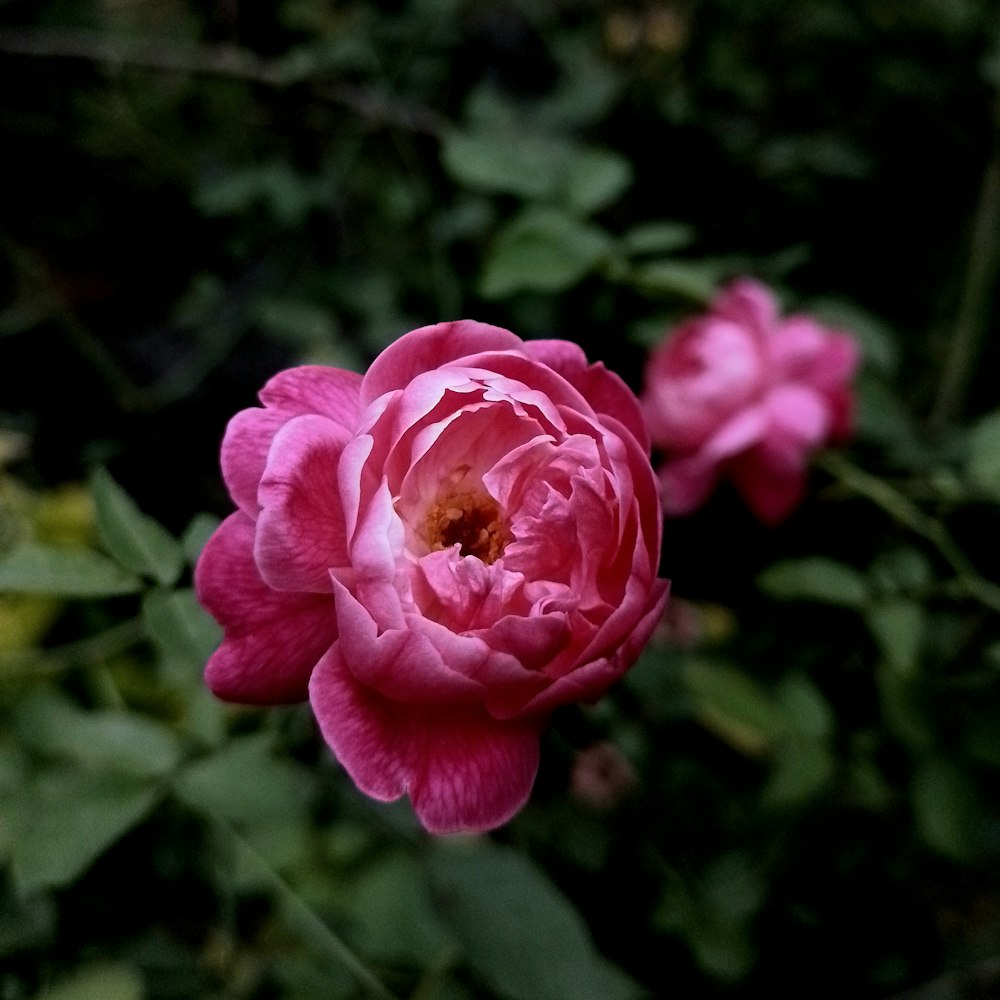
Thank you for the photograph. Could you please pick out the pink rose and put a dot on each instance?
(436, 554)
(744, 394)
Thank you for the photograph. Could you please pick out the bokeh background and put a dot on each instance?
(795, 792)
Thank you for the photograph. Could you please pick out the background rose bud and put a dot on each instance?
(437, 554)
(744, 394)
(601, 776)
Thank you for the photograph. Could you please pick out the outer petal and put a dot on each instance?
(331, 392)
(771, 480)
(432, 347)
(301, 533)
(272, 639)
(462, 769)
(686, 484)
(604, 390)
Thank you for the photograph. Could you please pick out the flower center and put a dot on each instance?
(473, 520)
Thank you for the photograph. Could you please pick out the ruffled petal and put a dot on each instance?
(431, 347)
(330, 392)
(604, 390)
(463, 769)
(272, 639)
(301, 532)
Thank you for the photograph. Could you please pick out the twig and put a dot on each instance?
(903, 510)
(977, 285)
(299, 913)
(226, 61)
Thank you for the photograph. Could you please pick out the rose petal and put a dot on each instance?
(463, 769)
(301, 532)
(272, 639)
(428, 348)
(331, 392)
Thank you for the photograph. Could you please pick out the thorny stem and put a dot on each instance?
(902, 509)
(305, 920)
(977, 285)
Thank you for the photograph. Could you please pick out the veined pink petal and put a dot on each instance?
(463, 769)
(330, 392)
(431, 347)
(272, 639)
(301, 532)
(604, 390)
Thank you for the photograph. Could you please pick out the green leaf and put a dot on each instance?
(183, 632)
(734, 707)
(695, 280)
(946, 808)
(815, 579)
(245, 783)
(898, 627)
(805, 709)
(101, 981)
(68, 817)
(596, 178)
(802, 768)
(63, 572)
(138, 542)
(390, 906)
(505, 163)
(520, 935)
(47, 723)
(197, 534)
(983, 462)
(660, 237)
(542, 250)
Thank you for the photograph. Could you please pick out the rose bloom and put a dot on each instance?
(744, 394)
(436, 554)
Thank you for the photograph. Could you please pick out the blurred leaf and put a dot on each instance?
(983, 462)
(197, 534)
(138, 542)
(47, 723)
(596, 178)
(946, 808)
(101, 981)
(63, 572)
(815, 579)
(661, 237)
(518, 932)
(181, 629)
(898, 625)
(503, 163)
(389, 904)
(802, 767)
(542, 250)
(882, 416)
(245, 783)
(734, 707)
(67, 817)
(695, 280)
(903, 708)
(805, 709)
(903, 569)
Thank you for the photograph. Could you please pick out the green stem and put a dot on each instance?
(903, 510)
(305, 920)
(977, 286)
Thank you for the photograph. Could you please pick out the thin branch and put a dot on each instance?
(225, 61)
(977, 286)
(903, 510)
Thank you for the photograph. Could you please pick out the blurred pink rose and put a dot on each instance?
(437, 554)
(744, 394)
